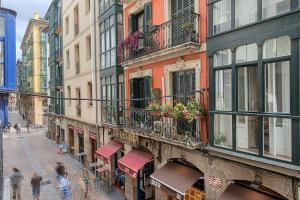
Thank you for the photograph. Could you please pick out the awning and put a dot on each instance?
(239, 192)
(107, 150)
(176, 177)
(133, 161)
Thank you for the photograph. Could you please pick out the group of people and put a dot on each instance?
(63, 182)
(17, 126)
(16, 182)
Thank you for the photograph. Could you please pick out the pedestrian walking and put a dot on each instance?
(84, 182)
(27, 126)
(60, 149)
(60, 171)
(8, 126)
(15, 182)
(65, 188)
(36, 185)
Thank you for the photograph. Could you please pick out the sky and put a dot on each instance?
(25, 10)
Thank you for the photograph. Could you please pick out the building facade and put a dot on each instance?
(7, 59)
(55, 63)
(253, 50)
(33, 73)
(162, 66)
(81, 68)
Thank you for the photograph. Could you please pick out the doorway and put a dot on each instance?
(81, 146)
(71, 141)
(93, 143)
(140, 89)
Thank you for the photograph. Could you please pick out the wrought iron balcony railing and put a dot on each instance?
(178, 31)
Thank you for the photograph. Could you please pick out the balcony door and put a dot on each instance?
(140, 90)
(181, 15)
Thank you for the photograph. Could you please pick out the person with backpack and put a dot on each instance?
(15, 182)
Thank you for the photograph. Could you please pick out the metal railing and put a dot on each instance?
(175, 32)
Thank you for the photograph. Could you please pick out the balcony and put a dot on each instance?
(167, 124)
(177, 37)
(78, 110)
(76, 29)
(77, 68)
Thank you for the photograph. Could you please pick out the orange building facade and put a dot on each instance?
(163, 55)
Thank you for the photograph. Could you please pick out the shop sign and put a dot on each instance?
(155, 183)
(170, 192)
(126, 137)
(216, 182)
(127, 170)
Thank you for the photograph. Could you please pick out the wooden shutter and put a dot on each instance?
(148, 88)
(147, 16)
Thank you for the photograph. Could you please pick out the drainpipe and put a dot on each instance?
(96, 77)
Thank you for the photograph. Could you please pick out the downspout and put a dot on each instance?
(96, 77)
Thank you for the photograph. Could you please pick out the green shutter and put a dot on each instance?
(148, 88)
(131, 92)
(147, 16)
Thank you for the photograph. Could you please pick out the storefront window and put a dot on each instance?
(221, 16)
(223, 130)
(245, 12)
(2, 26)
(272, 8)
(277, 87)
(277, 138)
(277, 47)
(247, 133)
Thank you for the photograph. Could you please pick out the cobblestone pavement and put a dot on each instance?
(33, 151)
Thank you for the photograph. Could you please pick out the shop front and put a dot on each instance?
(109, 172)
(138, 166)
(179, 181)
(71, 140)
(81, 153)
(93, 146)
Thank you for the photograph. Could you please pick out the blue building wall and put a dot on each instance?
(9, 61)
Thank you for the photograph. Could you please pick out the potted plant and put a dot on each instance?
(154, 109)
(188, 27)
(178, 111)
(166, 110)
(196, 108)
(221, 139)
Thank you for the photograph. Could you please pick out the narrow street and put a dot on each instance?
(33, 151)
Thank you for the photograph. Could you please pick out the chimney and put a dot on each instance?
(36, 15)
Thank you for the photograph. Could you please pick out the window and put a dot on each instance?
(87, 6)
(76, 20)
(90, 92)
(221, 16)
(108, 42)
(78, 96)
(223, 90)
(1, 51)
(245, 12)
(67, 25)
(68, 59)
(277, 47)
(88, 47)
(277, 87)
(69, 95)
(109, 105)
(2, 26)
(246, 53)
(272, 8)
(1, 74)
(223, 130)
(277, 138)
(222, 58)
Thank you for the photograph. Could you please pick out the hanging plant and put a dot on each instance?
(131, 42)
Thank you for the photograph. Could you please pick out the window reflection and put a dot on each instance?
(245, 12)
(223, 130)
(223, 90)
(272, 8)
(221, 16)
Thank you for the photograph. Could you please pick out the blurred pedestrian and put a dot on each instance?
(60, 171)
(15, 182)
(65, 188)
(27, 126)
(36, 185)
(84, 183)
(8, 126)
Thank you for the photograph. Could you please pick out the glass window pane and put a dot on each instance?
(222, 58)
(107, 40)
(223, 90)
(2, 27)
(247, 88)
(107, 59)
(245, 12)
(113, 57)
(112, 20)
(247, 133)
(223, 130)
(103, 42)
(241, 54)
(277, 138)
(272, 8)
(221, 16)
(252, 52)
(269, 48)
(113, 36)
(103, 61)
(1, 51)
(277, 87)
(283, 46)
(1, 74)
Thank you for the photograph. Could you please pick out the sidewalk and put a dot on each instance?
(34, 152)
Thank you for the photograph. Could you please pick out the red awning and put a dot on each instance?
(106, 151)
(132, 162)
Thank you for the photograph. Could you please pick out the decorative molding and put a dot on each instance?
(180, 63)
(140, 73)
(139, 5)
